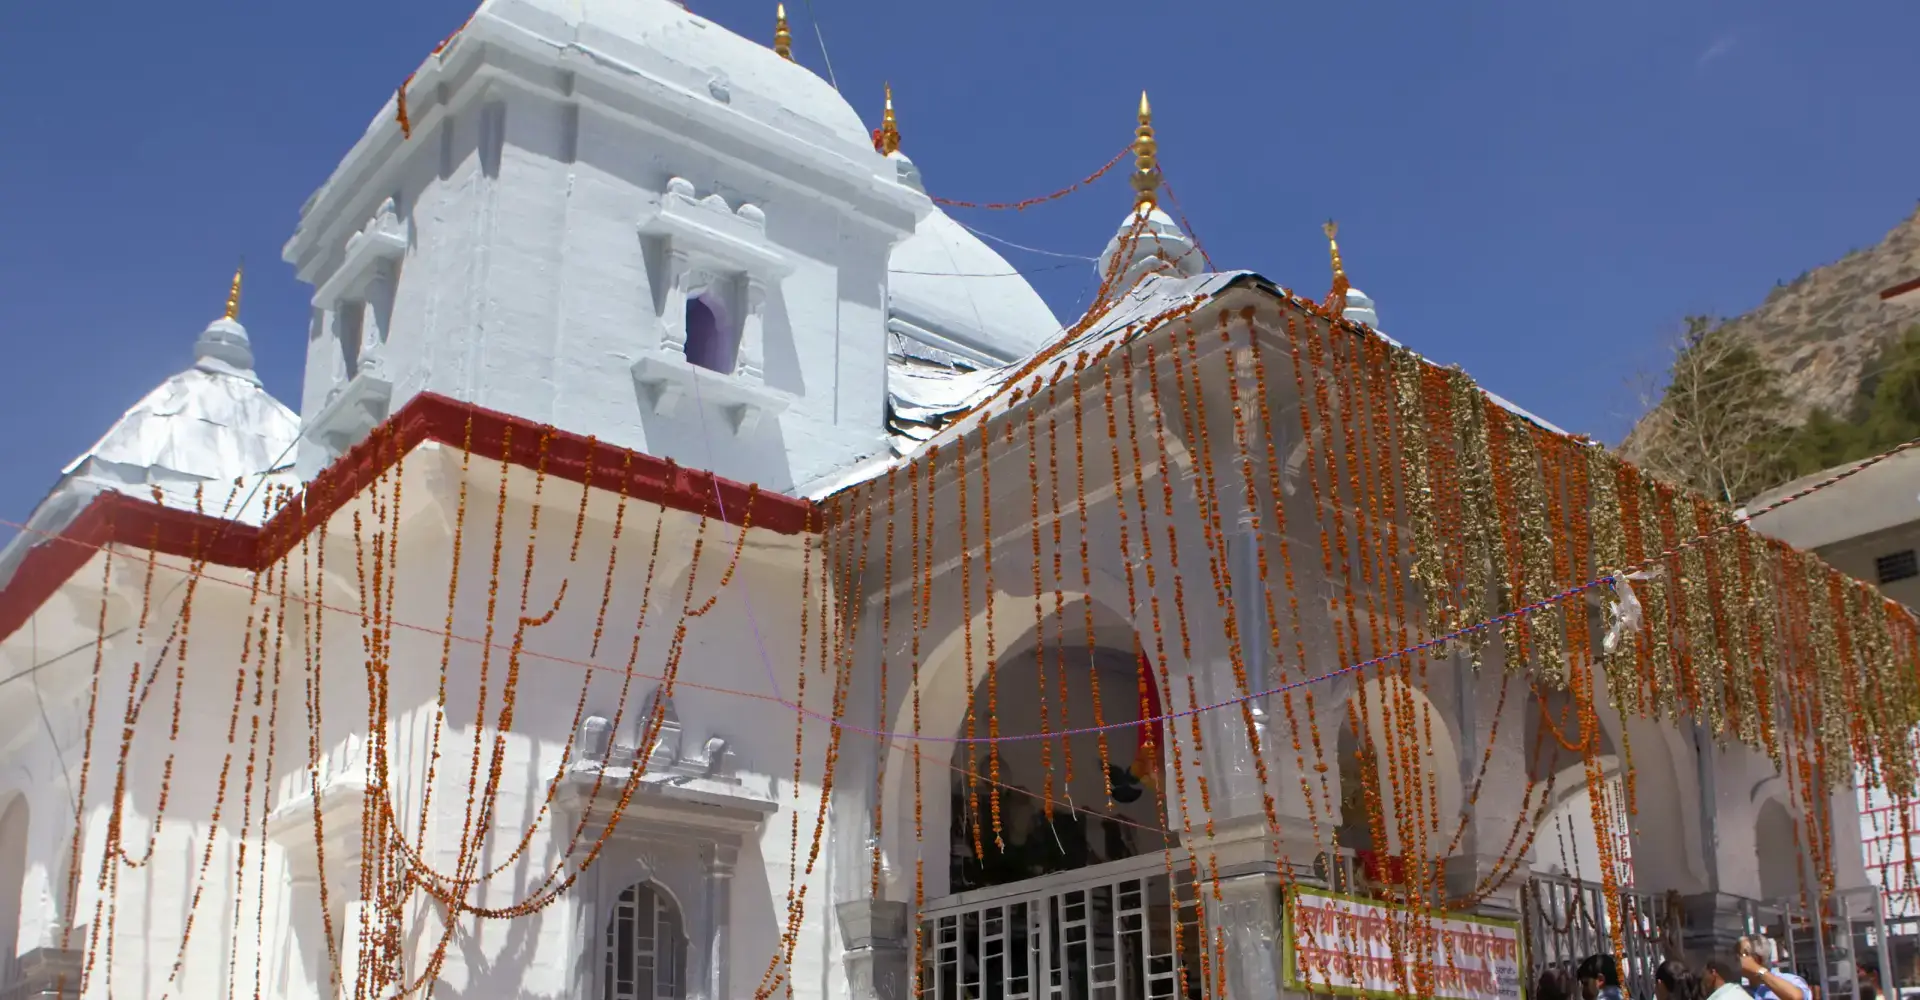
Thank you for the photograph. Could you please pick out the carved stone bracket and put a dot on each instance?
(666, 381)
(691, 787)
(381, 242)
(352, 410)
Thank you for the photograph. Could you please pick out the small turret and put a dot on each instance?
(223, 345)
(1152, 242)
(1344, 300)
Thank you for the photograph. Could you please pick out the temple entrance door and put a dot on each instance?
(1060, 883)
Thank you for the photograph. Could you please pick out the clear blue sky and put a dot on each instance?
(1539, 191)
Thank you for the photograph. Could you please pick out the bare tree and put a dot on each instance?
(1714, 422)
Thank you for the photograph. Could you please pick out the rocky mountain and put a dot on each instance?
(1825, 327)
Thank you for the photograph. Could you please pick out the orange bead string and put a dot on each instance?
(1039, 589)
(1086, 577)
(988, 589)
(1026, 203)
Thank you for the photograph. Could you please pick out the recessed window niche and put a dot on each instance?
(713, 269)
(711, 339)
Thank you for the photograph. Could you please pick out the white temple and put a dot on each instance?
(599, 263)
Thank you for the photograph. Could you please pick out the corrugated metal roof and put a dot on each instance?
(924, 401)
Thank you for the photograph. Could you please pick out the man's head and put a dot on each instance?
(1760, 949)
(1596, 973)
(1719, 971)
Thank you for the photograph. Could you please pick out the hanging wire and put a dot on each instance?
(822, 39)
(983, 234)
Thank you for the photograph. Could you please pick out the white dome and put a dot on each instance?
(212, 428)
(1161, 246)
(944, 281)
(1360, 309)
(213, 423)
(666, 41)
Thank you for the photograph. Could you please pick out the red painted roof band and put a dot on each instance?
(1901, 289)
(112, 518)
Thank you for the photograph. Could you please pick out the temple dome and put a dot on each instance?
(1360, 309)
(212, 430)
(665, 40)
(212, 423)
(1161, 247)
(945, 281)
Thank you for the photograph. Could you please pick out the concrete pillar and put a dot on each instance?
(752, 364)
(353, 933)
(301, 962)
(1502, 794)
(1252, 919)
(1711, 924)
(718, 860)
(878, 952)
(673, 319)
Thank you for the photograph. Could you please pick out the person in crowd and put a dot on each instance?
(1672, 980)
(1814, 992)
(1764, 981)
(1720, 979)
(1555, 984)
(1600, 978)
(1869, 980)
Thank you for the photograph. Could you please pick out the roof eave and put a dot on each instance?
(116, 518)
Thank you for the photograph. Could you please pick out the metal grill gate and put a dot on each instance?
(1566, 920)
(1100, 933)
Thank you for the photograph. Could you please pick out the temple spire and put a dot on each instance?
(1336, 298)
(782, 36)
(1146, 164)
(224, 342)
(233, 293)
(887, 140)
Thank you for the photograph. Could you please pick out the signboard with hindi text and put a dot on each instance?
(1359, 947)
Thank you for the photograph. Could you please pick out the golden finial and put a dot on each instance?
(233, 294)
(782, 38)
(1337, 298)
(888, 141)
(1146, 165)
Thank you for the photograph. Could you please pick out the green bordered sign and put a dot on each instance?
(1349, 946)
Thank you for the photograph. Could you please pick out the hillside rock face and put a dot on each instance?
(1823, 329)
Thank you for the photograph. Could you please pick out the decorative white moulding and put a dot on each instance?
(734, 239)
(352, 412)
(382, 241)
(704, 791)
(666, 382)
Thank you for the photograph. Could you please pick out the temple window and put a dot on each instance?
(349, 327)
(711, 341)
(646, 947)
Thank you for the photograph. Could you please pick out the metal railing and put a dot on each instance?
(1567, 920)
(1106, 932)
(1851, 931)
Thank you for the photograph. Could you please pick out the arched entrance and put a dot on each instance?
(1567, 841)
(1080, 903)
(1399, 782)
(1054, 812)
